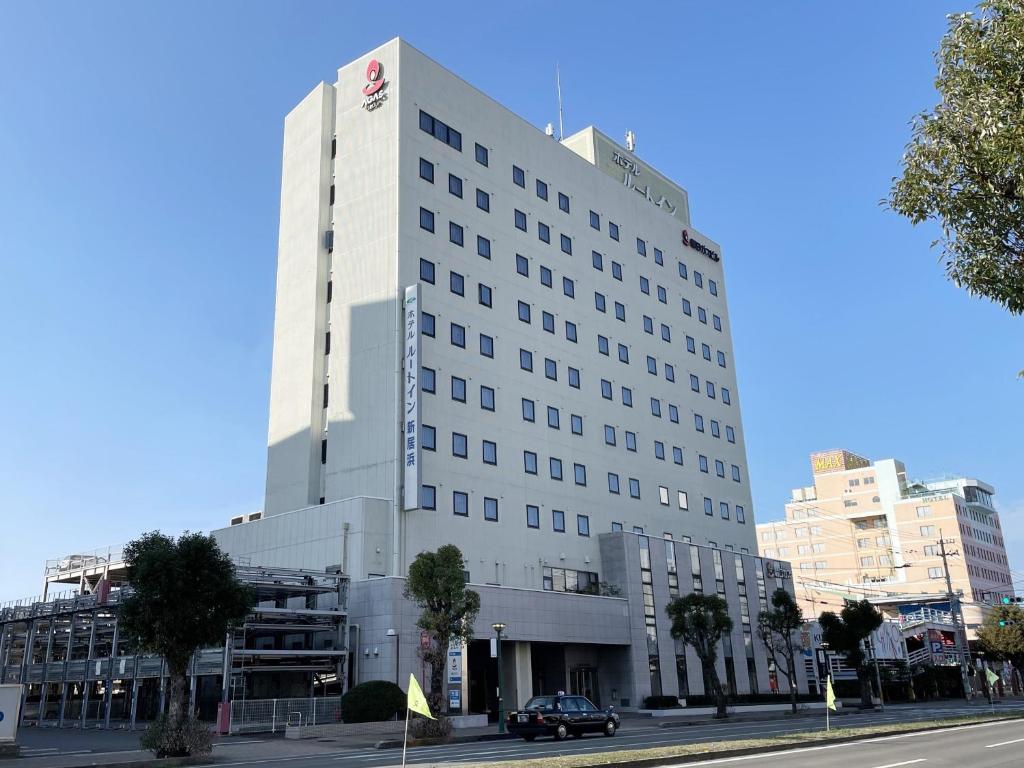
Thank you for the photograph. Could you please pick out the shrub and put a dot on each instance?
(373, 701)
(186, 737)
(661, 702)
(424, 728)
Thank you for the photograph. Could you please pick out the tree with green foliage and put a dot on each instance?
(437, 585)
(701, 621)
(184, 596)
(373, 701)
(1001, 636)
(964, 165)
(777, 628)
(846, 634)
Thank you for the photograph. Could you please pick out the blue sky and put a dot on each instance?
(139, 183)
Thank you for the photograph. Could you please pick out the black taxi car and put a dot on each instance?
(561, 716)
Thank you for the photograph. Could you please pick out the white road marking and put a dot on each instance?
(905, 762)
(1003, 743)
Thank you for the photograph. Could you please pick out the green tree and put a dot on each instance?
(1001, 636)
(777, 628)
(846, 634)
(184, 596)
(700, 621)
(437, 585)
(964, 165)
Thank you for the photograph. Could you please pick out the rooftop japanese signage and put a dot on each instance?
(836, 461)
(375, 91)
(640, 178)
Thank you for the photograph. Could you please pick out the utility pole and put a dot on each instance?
(954, 607)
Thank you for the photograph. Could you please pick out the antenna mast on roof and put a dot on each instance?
(558, 84)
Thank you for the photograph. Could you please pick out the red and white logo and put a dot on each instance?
(686, 237)
(374, 77)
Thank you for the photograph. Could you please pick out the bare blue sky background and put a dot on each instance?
(139, 181)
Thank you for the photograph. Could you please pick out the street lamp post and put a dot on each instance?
(498, 628)
(824, 668)
(394, 633)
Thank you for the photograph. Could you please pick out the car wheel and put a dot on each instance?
(529, 738)
(609, 728)
(561, 732)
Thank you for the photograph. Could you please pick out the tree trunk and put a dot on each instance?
(864, 678)
(791, 674)
(177, 691)
(711, 674)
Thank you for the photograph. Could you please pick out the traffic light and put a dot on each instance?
(1005, 623)
(1007, 599)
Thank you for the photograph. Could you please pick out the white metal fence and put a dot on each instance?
(272, 715)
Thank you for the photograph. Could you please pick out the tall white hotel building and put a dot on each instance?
(521, 346)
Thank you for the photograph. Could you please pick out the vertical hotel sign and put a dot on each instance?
(411, 387)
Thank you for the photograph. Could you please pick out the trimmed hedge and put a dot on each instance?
(373, 701)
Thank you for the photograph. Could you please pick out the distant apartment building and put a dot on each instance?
(863, 529)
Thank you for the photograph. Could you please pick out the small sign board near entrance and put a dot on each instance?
(10, 710)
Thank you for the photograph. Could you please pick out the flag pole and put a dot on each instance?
(828, 683)
(405, 739)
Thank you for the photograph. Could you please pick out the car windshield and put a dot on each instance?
(541, 702)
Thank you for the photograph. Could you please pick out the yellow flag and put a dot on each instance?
(416, 701)
(830, 696)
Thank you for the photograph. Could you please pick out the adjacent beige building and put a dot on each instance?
(863, 529)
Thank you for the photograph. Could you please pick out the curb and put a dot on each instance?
(788, 717)
(723, 754)
(397, 744)
(153, 762)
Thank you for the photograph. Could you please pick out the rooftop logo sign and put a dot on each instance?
(700, 247)
(375, 91)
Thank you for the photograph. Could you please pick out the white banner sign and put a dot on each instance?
(411, 387)
(10, 708)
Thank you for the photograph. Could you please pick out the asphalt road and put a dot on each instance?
(69, 748)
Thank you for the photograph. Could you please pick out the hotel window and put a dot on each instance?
(721, 359)
(659, 258)
(483, 293)
(530, 462)
(483, 201)
(455, 233)
(645, 285)
(599, 302)
(576, 424)
(726, 397)
(924, 511)
(735, 473)
(694, 383)
(524, 312)
(545, 276)
(528, 410)
(520, 219)
(652, 366)
(486, 398)
(682, 271)
(426, 220)
(662, 295)
(543, 232)
(710, 387)
(613, 483)
(698, 279)
(606, 389)
(574, 375)
(542, 190)
(491, 509)
(428, 439)
(659, 450)
(641, 247)
(702, 316)
(717, 322)
(741, 516)
(550, 369)
(563, 202)
(457, 283)
(428, 497)
(691, 345)
(723, 508)
(687, 309)
(702, 462)
(522, 265)
(454, 185)
(712, 287)
(698, 422)
(518, 176)
(597, 260)
(553, 417)
(426, 170)
(709, 508)
(458, 336)
(547, 322)
(613, 231)
(428, 324)
(458, 389)
(555, 468)
(656, 407)
(526, 360)
(483, 246)
(648, 325)
(602, 344)
(558, 521)
(570, 331)
(460, 445)
(867, 561)
(609, 434)
(481, 154)
(620, 312)
(595, 221)
(631, 441)
(460, 503)
(623, 354)
(532, 516)
(677, 454)
(663, 495)
(427, 377)
(627, 397)
(566, 244)
(719, 468)
(634, 488)
(617, 271)
(490, 452)
(705, 351)
(568, 288)
(935, 573)
(682, 500)
(666, 333)
(440, 131)
(580, 474)
(616, 527)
